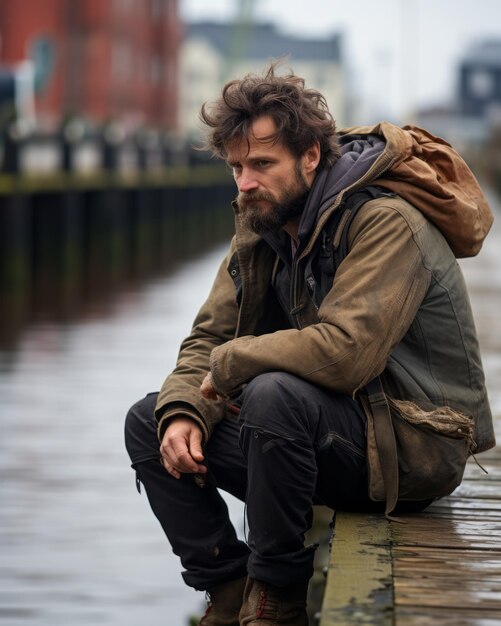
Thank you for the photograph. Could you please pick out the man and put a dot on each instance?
(267, 398)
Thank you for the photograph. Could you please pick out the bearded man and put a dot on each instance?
(268, 398)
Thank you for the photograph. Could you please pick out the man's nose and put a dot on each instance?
(247, 181)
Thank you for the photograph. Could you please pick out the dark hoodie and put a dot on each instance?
(358, 154)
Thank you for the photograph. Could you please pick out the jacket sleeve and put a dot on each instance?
(214, 325)
(376, 293)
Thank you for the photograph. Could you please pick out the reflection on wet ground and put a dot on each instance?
(77, 543)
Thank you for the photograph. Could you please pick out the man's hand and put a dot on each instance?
(181, 448)
(207, 388)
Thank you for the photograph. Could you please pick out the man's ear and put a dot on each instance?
(311, 158)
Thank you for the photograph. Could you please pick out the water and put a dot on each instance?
(78, 545)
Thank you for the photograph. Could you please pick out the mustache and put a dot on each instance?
(244, 198)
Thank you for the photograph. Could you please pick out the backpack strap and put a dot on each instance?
(386, 443)
(333, 247)
(350, 209)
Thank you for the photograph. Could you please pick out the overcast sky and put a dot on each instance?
(401, 53)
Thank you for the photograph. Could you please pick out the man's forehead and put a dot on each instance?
(261, 136)
(263, 129)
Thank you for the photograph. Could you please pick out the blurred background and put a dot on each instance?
(112, 225)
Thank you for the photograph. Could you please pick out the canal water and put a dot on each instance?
(78, 545)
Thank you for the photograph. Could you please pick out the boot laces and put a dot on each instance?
(267, 607)
(207, 610)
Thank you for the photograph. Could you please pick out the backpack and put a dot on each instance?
(412, 454)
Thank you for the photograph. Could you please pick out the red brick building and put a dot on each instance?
(100, 59)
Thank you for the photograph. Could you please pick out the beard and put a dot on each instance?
(285, 208)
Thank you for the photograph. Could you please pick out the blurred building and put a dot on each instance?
(480, 81)
(469, 120)
(99, 59)
(212, 53)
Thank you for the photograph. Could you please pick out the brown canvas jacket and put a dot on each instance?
(397, 308)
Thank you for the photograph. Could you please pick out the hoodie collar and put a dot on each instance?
(358, 154)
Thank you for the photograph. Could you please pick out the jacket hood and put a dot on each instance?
(427, 172)
(358, 156)
(423, 169)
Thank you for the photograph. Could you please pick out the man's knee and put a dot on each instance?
(141, 413)
(140, 429)
(273, 401)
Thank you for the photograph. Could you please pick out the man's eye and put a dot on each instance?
(263, 163)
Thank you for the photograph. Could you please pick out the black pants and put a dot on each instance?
(294, 445)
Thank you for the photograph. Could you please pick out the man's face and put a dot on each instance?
(272, 184)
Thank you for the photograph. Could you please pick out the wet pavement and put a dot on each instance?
(78, 545)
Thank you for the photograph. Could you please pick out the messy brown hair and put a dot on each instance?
(301, 115)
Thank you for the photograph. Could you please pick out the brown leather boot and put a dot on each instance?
(224, 605)
(266, 604)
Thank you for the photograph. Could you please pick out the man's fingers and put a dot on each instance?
(177, 455)
(184, 461)
(181, 448)
(167, 458)
(207, 389)
(168, 462)
(172, 471)
(195, 444)
(184, 465)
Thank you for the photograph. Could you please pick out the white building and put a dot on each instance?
(213, 53)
